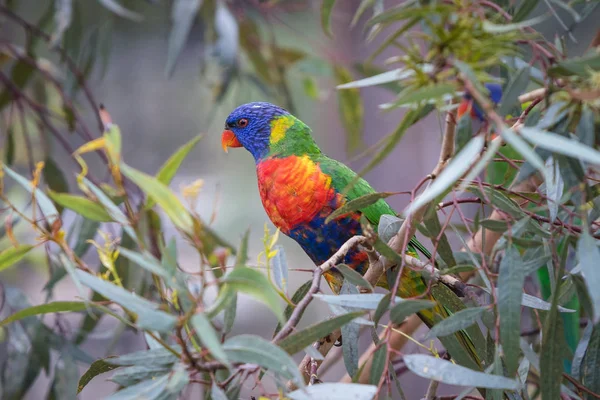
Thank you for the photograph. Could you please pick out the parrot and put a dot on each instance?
(300, 187)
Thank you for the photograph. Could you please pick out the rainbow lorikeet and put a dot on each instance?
(300, 186)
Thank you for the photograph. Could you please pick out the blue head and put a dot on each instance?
(252, 126)
(495, 94)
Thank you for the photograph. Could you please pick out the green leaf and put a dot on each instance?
(432, 223)
(167, 386)
(121, 11)
(252, 282)
(494, 28)
(581, 350)
(256, 350)
(561, 145)
(410, 95)
(305, 337)
(378, 365)
(82, 206)
(364, 301)
(388, 227)
(588, 254)
(454, 171)
(404, 308)
(351, 108)
(464, 132)
(581, 66)
(216, 393)
(161, 193)
(456, 322)
(152, 357)
(45, 204)
(131, 375)
(115, 212)
(326, 8)
(524, 9)
(523, 148)
(207, 335)
(13, 255)
(289, 309)
(350, 335)
(149, 317)
(54, 177)
(183, 14)
(280, 269)
(554, 187)
(585, 127)
(444, 371)
(551, 353)
(358, 204)
(335, 391)
(53, 307)
(66, 376)
(534, 302)
(98, 367)
(590, 373)
(147, 261)
(382, 78)
(353, 277)
(516, 87)
(510, 286)
(168, 170)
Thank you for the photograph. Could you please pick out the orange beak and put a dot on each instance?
(229, 140)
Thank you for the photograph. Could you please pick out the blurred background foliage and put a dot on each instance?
(167, 71)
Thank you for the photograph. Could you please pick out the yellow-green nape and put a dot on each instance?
(279, 126)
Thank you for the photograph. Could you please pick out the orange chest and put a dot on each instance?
(294, 190)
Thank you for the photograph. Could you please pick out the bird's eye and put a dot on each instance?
(242, 123)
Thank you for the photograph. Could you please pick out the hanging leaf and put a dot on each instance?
(183, 14)
(378, 365)
(589, 254)
(129, 376)
(364, 301)
(452, 374)
(554, 187)
(494, 28)
(431, 93)
(561, 145)
(585, 128)
(551, 353)
(516, 86)
(353, 277)
(121, 11)
(510, 286)
(207, 335)
(351, 109)
(280, 269)
(13, 255)
(326, 8)
(168, 170)
(98, 367)
(590, 374)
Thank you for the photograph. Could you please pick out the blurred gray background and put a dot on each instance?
(157, 115)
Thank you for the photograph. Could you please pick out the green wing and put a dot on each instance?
(342, 176)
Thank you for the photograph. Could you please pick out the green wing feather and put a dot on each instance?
(412, 283)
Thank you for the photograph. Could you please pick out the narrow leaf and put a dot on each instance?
(162, 195)
(53, 307)
(183, 14)
(404, 308)
(280, 269)
(98, 367)
(354, 277)
(335, 391)
(357, 204)
(510, 286)
(298, 340)
(326, 8)
(444, 371)
(351, 108)
(82, 206)
(457, 167)
(364, 301)
(208, 337)
(588, 254)
(516, 86)
(456, 322)
(13, 255)
(256, 350)
(168, 170)
(561, 145)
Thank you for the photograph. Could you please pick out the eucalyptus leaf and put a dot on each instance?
(183, 14)
(335, 391)
(589, 254)
(456, 322)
